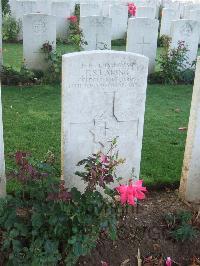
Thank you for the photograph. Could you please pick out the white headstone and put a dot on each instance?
(62, 11)
(44, 6)
(119, 15)
(2, 162)
(142, 38)
(195, 15)
(96, 32)
(22, 8)
(167, 16)
(174, 5)
(187, 31)
(146, 12)
(38, 29)
(103, 96)
(190, 181)
(90, 9)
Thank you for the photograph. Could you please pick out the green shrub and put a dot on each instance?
(5, 6)
(43, 223)
(173, 62)
(119, 42)
(10, 76)
(180, 226)
(10, 28)
(54, 59)
(163, 41)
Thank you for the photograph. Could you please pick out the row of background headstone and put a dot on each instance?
(98, 31)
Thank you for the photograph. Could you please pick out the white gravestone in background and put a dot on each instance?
(195, 15)
(187, 31)
(23, 8)
(146, 12)
(96, 32)
(44, 6)
(167, 16)
(190, 181)
(119, 15)
(103, 97)
(38, 29)
(2, 163)
(142, 37)
(90, 9)
(62, 11)
(175, 6)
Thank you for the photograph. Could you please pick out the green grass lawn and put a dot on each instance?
(32, 122)
(13, 53)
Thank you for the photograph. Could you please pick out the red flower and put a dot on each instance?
(103, 158)
(73, 19)
(132, 9)
(128, 194)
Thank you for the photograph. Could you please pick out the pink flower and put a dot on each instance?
(103, 158)
(131, 9)
(128, 194)
(168, 261)
(73, 19)
(103, 263)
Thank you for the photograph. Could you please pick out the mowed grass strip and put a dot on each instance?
(32, 122)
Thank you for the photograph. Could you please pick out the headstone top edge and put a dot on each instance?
(38, 13)
(122, 53)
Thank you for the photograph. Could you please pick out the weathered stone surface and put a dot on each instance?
(90, 9)
(190, 181)
(187, 31)
(44, 6)
(119, 15)
(96, 32)
(146, 12)
(142, 37)
(38, 29)
(195, 15)
(103, 96)
(167, 16)
(62, 11)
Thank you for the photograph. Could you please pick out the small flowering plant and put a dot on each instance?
(132, 192)
(73, 19)
(131, 9)
(99, 169)
(42, 222)
(75, 34)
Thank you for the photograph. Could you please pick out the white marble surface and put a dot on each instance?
(96, 32)
(119, 15)
(187, 31)
(146, 12)
(142, 38)
(103, 96)
(37, 30)
(190, 181)
(168, 14)
(62, 11)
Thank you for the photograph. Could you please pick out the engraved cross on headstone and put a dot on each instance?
(106, 127)
(143, 43)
